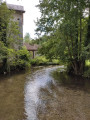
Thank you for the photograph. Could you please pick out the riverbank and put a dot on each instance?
(42, 61)
(28, 64)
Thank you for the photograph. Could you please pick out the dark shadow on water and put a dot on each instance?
(71, 81)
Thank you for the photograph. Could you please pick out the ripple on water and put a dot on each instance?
(47, 99)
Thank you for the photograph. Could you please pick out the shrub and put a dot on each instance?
(56, 61)
(39, 60)
(19, 59)
(23, 58)
(87, 69)
(87, 72)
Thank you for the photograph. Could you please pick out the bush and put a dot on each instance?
(23, 58)
(87, 72)
(55, 61)
(40, 60)
(19, 59)
(3, 51)
(87, 63)
(87, 69)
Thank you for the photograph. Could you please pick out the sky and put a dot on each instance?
(30, 15)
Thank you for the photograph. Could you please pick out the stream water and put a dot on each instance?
(44, 94)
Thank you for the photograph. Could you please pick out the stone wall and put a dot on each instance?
(18, 17)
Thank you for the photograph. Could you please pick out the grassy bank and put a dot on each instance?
(87, 69)
(41, 60)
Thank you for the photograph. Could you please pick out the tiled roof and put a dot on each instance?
(16, 7)
(31, 47)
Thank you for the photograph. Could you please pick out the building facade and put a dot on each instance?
(18, 17)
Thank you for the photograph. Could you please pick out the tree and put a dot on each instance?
(27, 38)
(9, 35)
(87, 42)
(64, 21)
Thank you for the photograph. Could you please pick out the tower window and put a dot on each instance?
(18, 19)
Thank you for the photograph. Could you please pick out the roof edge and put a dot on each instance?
(16, 7)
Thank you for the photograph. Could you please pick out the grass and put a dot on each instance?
(87, 69)
(87, 63)
(41, 60)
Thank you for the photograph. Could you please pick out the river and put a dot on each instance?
(44, 94)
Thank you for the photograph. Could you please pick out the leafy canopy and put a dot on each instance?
(65, 23)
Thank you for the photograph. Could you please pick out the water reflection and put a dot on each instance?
(56, 96)
(39, 79)
(12, 97)
(71, 81)
(44, 94)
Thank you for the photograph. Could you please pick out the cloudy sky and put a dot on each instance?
(30, 15)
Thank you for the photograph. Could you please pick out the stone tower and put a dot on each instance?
(18, 17)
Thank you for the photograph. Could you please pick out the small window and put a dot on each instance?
(18, 19)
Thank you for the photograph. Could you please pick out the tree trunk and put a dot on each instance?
(88, 30)
(4, 67)
(78, 67)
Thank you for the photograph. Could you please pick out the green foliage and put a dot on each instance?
(4, 20)
(87, 63)
(23, 60)
(3, 51)
(10, 55)
(87, 71)
(39, 60)
(57, 62)
(27, 38)
(67, 29)
(9, 30)
(42, 60)
(53, 48)
(19, 59)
